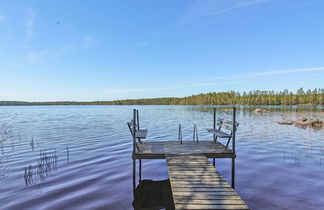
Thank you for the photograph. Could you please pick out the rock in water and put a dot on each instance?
(260, 110)
(286, 122)
(309, 122)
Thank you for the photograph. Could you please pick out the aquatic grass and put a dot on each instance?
(5, 133)
(47, 164)
(37, 173)
(5, 136)
(306, 148)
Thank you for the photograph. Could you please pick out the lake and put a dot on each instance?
(79, 157)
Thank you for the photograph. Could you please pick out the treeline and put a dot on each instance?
(256, 97)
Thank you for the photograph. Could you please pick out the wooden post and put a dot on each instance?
(140, 170)
(134, 130)
(180, 134)
(234, 129)
(214, 126)
(194, 133)
(233, 173)
(137, 120)
(233, 147)
(134, 175)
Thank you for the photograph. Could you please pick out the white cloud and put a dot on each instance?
(88, 40)
(211, 7)
(36, 56)
(30, 18)
(221, 80)
(266, 73)
(114, 91)
(44, 55)
(143, 44)
(202, 84)
(3, 18)
(237, 6)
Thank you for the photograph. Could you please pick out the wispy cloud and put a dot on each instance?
(256, 75)
(3, 18)
(238, 6)
(221, 80)
(88, 40)
(30, 18)
(143, 44)
(202, 84)
(204, 8)
(47, 54)
(114, 91)
(34, 57)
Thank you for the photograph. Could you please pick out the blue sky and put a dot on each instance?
(106, 50)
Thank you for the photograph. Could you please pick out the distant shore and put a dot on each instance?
(259, 98)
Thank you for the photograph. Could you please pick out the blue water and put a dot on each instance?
(85, 155)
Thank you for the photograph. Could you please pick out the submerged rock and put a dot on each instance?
(227, 110)
(260, 110)
(309, 122)
(304, 122)
(286, 122)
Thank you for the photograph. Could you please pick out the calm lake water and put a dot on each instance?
(84, 154)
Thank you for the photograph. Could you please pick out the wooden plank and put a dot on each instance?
(204, 193)
(141, 134)
(202, 185)
(194, 174)
(207, 197)
(205, 182)
(158, 150)
(219, 133)
(210, 206)
(196, 184)
(211, 202)
(197, 190)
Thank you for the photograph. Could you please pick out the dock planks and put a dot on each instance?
(159, 149)
(196, 184)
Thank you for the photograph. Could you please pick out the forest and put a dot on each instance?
(255, 97)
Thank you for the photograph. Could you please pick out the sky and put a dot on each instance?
(118, 49)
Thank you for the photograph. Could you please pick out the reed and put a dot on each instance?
(5, 136)
(47, 164)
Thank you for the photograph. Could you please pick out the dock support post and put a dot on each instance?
(234, 129)
(134, 158)
(140, 170)
(180, 134)
(214, 126)
(233, 173)
(134, 175)
(233, 147)
(195, 134)
(134, 130)
(137, 118)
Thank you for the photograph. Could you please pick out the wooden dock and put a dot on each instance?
(196, 184)
(159, 149)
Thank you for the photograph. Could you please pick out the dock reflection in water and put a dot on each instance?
(153, 195)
